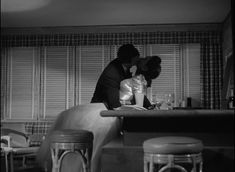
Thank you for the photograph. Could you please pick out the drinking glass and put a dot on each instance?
(139, 99)
(157, 100)
(170, 100)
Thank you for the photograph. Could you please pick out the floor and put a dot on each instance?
(30, 167)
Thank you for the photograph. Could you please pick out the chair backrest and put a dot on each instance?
(37, 131)
(5, 141)
(14, 138)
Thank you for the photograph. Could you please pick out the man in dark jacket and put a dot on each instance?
(108, 85)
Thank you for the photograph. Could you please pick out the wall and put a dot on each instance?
(227, 52)
(227, 36)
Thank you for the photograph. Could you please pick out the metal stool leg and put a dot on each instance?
(151, 164)
(145, 165)
(168, 162)
(86, 157)
(200, 166)
(194, 165)
(55, 160)
(172, 165)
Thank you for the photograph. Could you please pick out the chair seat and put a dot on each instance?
(25, 150)
(72, 136)
(173, 145)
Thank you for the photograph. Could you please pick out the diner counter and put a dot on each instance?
(215, 126)
(187, 113)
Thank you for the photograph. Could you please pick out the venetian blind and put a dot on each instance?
(141, 49)
(3, 82)
(57, 83)
(21, 83)
(169, 80)
(91, 62)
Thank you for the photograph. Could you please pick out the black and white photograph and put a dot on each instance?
(117, 86)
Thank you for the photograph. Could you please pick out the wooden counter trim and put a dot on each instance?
(168, 113)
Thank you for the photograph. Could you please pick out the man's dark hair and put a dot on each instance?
(126, 52)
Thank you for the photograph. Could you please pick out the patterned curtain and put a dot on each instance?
(211, 55)
(158, 37)
(211, 75)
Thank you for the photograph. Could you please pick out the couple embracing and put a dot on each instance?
(117, 84)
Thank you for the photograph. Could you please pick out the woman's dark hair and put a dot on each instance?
(126, 52)
(151, 68)
(154, 63)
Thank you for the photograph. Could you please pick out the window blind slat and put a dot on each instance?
(21, 83)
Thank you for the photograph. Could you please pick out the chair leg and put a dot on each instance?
(6, 160)
(11, 162)
(24, 162)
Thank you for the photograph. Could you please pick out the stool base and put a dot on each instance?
(169, 161)
(59, 150)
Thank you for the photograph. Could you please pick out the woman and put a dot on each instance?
(148, 69)
(87, 117)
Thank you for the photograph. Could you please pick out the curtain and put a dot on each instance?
(211, 56)
(211, 75)
(158, 37)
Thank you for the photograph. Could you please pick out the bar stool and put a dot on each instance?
(67, 141)
(177, 153)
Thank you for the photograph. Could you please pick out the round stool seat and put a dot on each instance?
(72, 136)
(172, 145)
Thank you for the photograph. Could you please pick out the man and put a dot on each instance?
(108, 85)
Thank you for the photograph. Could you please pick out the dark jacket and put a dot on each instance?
(108, 85)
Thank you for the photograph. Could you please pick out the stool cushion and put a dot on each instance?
(172, 145)
(72, 136)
